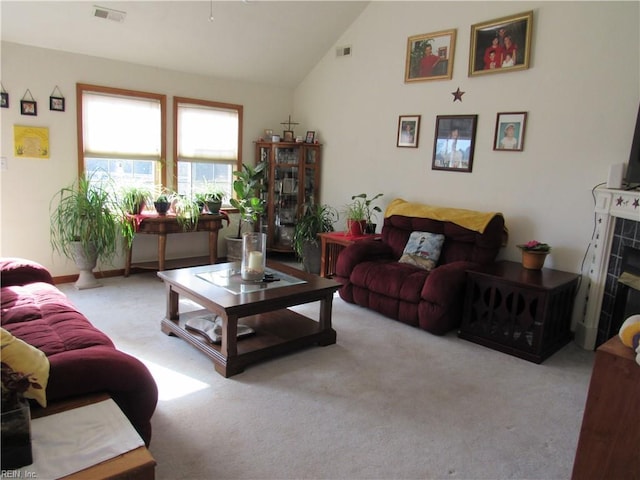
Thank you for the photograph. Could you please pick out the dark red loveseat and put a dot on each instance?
(82, 359)
(372, 277)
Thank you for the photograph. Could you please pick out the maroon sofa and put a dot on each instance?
(83, 360)
(372, 277)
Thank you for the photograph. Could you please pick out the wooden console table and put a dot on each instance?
(331, 244)
(525, 313)
(162, 225)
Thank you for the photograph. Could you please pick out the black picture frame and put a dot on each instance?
(287, 136)
(28, 107)
(4, 100)
(310, 137)
(454, 143)
(56, 104)
(510, 130)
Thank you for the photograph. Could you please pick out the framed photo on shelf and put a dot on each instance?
(28, 107)
(501, 45)
(408, 131)
(454, 142)
(310, 137)
(430, 56)
(287, 136)
(56, 104)
(509, 134)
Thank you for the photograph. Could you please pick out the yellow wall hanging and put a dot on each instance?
(31, 142)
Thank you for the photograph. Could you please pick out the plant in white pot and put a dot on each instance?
(247, 188)
(85, 226)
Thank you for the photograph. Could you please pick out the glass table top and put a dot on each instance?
(231, 280)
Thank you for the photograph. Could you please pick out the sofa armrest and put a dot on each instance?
(446, 282)
(359, 252)
(19, 271)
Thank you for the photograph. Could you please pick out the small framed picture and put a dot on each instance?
(28, 107)
(408, 131)
(430, 56)
(56, 104)
(310, 137)
(454, 142)
(4, 100)
(509, 133)
(501, 45)
(287, 136)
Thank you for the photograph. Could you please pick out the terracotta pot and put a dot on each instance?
(356, 228)
(533, 260)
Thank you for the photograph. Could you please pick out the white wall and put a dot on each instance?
(29, 184)
(581, 93)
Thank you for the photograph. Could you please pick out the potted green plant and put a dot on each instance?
(369, 210)
(187, 211)
(247, 188)
(162, 203)
(134, 199)
(85, 225)
(212, 196)
(315, 219)
(355, 217)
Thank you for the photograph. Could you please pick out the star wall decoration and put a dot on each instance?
(457, 95)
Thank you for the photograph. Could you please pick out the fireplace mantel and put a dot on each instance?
(609, 205)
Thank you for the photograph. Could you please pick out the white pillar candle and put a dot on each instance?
(255, 261)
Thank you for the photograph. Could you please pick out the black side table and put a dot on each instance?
(525, 313)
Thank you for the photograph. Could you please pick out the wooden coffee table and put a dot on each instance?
(263, 307)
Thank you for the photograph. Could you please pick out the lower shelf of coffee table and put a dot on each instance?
(276, 333)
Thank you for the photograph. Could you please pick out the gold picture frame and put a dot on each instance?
(501, 45)
(430, 56)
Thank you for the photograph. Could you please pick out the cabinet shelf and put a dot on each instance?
(292, 179)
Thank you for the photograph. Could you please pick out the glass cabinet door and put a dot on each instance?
(286, 202)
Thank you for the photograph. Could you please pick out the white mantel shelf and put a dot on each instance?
(609, 205)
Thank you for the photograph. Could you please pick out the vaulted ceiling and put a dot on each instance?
(272, 42)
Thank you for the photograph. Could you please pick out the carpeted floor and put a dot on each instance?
(387, 401)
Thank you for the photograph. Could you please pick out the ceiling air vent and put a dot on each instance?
(109, 14)
(343, 51)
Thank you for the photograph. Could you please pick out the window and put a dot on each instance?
(207, 144)
(121, 134)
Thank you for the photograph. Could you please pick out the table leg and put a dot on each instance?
(173, 302)
(213, 246)
(127, 263)
(325, 320)
(323, 257)
(162, 248)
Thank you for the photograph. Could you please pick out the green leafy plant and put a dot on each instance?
(133, 199)
(315, 219)
(87, 212)
(356, 210)
(534, 246)
(247, 188)
(365, 204)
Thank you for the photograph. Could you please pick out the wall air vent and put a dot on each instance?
(109, 14)
(343, 51)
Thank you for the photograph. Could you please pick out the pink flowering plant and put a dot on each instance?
(534, 246)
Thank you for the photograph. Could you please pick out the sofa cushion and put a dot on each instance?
(22, 358)
(41, 315)
(20, 271)
(423, 250)
(391, 279)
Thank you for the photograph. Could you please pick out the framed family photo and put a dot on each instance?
(310, 136)
(28, 107)
(4, 100)
(408, 131)
(430, 56)
(454, 142)
(501, 45)
(509, 133)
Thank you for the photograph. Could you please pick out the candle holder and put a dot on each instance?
(254, 256)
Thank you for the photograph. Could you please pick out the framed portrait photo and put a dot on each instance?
(430, 56)
(56, 104)
(4, 100)
(454, 142)
(287, 136)
(28, 107)
(509, 135)
(310, 137)
(408, 131)
(501, 45)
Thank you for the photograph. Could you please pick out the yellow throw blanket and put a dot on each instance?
(470, 219)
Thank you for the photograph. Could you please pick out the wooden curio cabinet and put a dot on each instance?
(292, 179)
